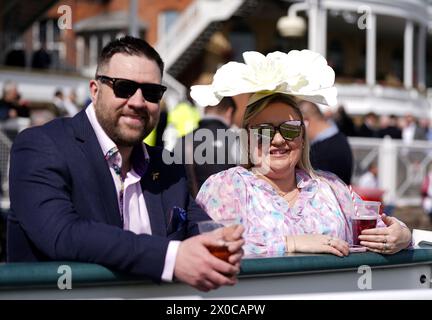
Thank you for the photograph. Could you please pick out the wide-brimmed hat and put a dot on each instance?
(303, 74)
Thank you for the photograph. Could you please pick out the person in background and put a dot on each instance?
(88, 189)
(423, 125)
(161, 126)
(389, 127)
(41, 58)
(426, 193)
(155, 138)
(344, 122)
(212, 136)
(16, 57)
(369, 127)
(181, 120)
(11, 104)
(411, 131)
(41, 116)
(58, 101)
(70, 104)
(369, 179)
(330, 150)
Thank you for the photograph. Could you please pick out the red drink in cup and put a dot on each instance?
(362, 223)
(367, 213)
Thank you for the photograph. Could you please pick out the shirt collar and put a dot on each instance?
(304, 180)
(327, 133)
(139, 156)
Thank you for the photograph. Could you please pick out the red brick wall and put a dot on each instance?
(82, 9)
(148, 10)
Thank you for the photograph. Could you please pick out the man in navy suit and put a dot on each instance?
(87, 189)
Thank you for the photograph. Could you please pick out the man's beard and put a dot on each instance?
(110, 124)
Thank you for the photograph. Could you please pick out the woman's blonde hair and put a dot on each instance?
(256, 107)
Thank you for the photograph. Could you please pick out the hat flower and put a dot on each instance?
(304, 74)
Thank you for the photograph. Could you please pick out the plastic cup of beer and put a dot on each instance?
(366, 216)
(220, 252)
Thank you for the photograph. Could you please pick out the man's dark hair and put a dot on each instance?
(58, 93)
(130, 46)
(371, 115)
(311, 110)
(225, 104)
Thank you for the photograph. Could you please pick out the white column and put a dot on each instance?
(371, 50)
(421, 57)
(408, 54)
(133, 18)
(387, 164)
(322, 27)
(313, 26)
(35, 36)
(93, 49)
(61, 46)
(80, 50)
(50, 35)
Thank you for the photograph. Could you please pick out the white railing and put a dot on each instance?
(401, 166)
(192, 22)
(360, 99)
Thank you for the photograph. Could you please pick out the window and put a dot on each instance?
(48, 49)
(166, 21)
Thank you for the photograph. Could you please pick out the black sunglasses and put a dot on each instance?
(124, 88)
(289, 130)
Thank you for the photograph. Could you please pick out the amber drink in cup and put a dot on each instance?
(220, 252)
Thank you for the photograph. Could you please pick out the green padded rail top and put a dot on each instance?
(46, 274)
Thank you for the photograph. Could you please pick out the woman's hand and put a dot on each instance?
(388, 240)
(317, 243)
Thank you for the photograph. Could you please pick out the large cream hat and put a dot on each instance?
(303, 74)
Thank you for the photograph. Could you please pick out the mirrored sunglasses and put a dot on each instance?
(289, 130)
(124, 88)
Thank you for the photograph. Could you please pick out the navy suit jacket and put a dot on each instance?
(64, 203)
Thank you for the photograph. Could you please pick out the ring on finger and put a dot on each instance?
(385, 239)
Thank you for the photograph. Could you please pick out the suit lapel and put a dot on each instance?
(89, 144)
(152, 191)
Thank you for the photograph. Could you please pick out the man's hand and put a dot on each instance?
(196, 266)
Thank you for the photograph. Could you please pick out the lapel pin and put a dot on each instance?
(155, 175)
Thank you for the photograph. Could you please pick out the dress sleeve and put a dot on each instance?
(221, 196)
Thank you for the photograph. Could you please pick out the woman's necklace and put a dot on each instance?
(285, 194)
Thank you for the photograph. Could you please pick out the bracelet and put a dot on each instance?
(290, 244)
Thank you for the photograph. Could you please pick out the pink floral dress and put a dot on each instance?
(324, 206)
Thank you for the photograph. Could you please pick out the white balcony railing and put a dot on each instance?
(360, 99)
(401, 166)
(189, 26)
